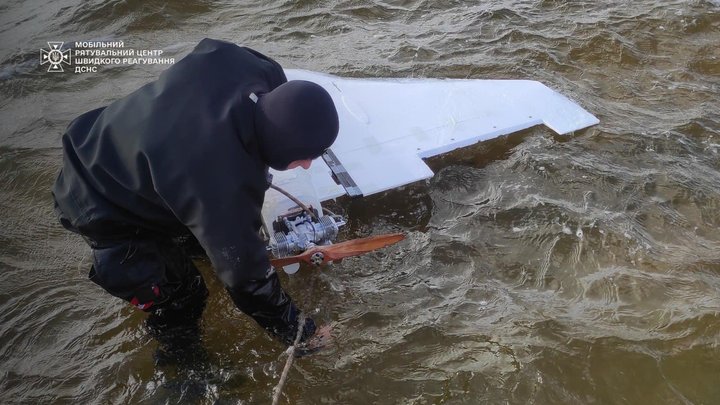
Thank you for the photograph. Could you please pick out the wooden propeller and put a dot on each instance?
(327, 253)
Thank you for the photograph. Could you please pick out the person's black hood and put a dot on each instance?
(295, 121)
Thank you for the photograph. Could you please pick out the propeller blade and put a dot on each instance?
(327, 253)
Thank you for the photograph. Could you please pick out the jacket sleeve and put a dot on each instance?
(214, 198)
(266, 302)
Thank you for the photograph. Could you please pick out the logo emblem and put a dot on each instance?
(55, 56)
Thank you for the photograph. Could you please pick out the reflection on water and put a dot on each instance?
(537, 268)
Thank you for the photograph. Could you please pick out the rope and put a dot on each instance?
(296, 201)
(277, 391)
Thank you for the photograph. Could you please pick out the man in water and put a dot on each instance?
(189, 154)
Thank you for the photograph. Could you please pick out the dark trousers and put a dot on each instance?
(155, 275)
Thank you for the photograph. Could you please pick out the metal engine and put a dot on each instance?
(298, 232)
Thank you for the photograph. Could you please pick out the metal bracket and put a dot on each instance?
(341, 175)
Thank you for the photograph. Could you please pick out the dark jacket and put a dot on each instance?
(180, 154)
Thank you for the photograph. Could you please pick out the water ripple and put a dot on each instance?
(537, 268)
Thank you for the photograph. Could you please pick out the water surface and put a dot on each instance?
(537, 268)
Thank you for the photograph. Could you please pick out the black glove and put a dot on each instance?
(266, 302)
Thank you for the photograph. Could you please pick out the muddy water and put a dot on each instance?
(537, 268)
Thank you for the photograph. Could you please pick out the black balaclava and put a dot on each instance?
(295, 121)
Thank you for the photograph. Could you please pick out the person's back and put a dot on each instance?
(119, 158)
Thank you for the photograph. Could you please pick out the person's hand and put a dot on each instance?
(321, 338)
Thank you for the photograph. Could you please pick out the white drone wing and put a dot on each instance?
(388, 125)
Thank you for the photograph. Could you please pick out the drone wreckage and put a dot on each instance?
(387, 126)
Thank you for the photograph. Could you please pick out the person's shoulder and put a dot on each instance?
(224, 52)
(242, 58)
(84, 122)
(209, 45)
